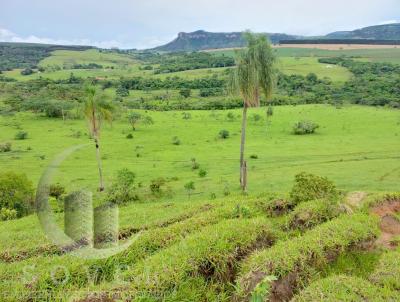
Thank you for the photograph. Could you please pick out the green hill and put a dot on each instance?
(378, 32)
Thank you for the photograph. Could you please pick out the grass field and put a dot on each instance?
(391, 55)
(125, 66)
(355, 146)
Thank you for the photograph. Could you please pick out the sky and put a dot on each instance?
(149, 23)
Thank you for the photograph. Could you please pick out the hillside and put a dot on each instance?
(201, 40)
(28, 55)
(378, 32)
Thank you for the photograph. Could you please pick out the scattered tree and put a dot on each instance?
(96, 111)
(189, 187)
(255, 72)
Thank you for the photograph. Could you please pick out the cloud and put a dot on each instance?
(9, 36)
(388, 22)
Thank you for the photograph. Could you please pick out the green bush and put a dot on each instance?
(203, 173)
(123, 190)
(305, 127)
(5, 147)
(312, 213)
(7, 214)
(185, 92)
(223, 134)
(311, 187)
(21, 135)
(306, 252)
(156, 184)
(176, 141)
(16, 193)
(343, 288)
(129, 136)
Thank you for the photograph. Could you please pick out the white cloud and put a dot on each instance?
(388, 22)
(9, 36)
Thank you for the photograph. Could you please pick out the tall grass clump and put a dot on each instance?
(299, 255)
(344, 288)
(211, 253)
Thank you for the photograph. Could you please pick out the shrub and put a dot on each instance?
(176, 141)
(16, 193)
(21, 135)
(305, 127)
(26, 71)
(312, 213)
(223, 134)
(156, 184)
(129, 136)
(7, 214)
(256, 117)
(203, 173)
(343, 288)
(122, 91)
(189, 187)
(123, 190)
(311, 187)
(299, 255)
(254, 156)
(186, 115)
(195, 164)
(185, 92)
(5, 147)
(270, 111)
(230, 116)
(56, 190)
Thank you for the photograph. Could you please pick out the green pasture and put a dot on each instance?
(357, 147)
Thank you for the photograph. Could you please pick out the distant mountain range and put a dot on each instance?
(202, 40)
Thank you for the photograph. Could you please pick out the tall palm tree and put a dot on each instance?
(96, 111)
(254, 74)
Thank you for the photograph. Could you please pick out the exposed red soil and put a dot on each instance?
(389, 225)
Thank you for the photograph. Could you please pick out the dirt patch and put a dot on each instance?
(283, 289)
(354, 199)
(389, 224)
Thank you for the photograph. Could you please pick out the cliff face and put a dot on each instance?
(201, 40)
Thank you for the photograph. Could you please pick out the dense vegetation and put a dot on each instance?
(20, 55)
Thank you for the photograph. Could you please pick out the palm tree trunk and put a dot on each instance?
(242, 143)
(98, 157)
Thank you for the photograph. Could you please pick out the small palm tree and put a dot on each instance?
(96, 111)
(254, 74)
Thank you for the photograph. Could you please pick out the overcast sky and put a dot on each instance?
(148, 23)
